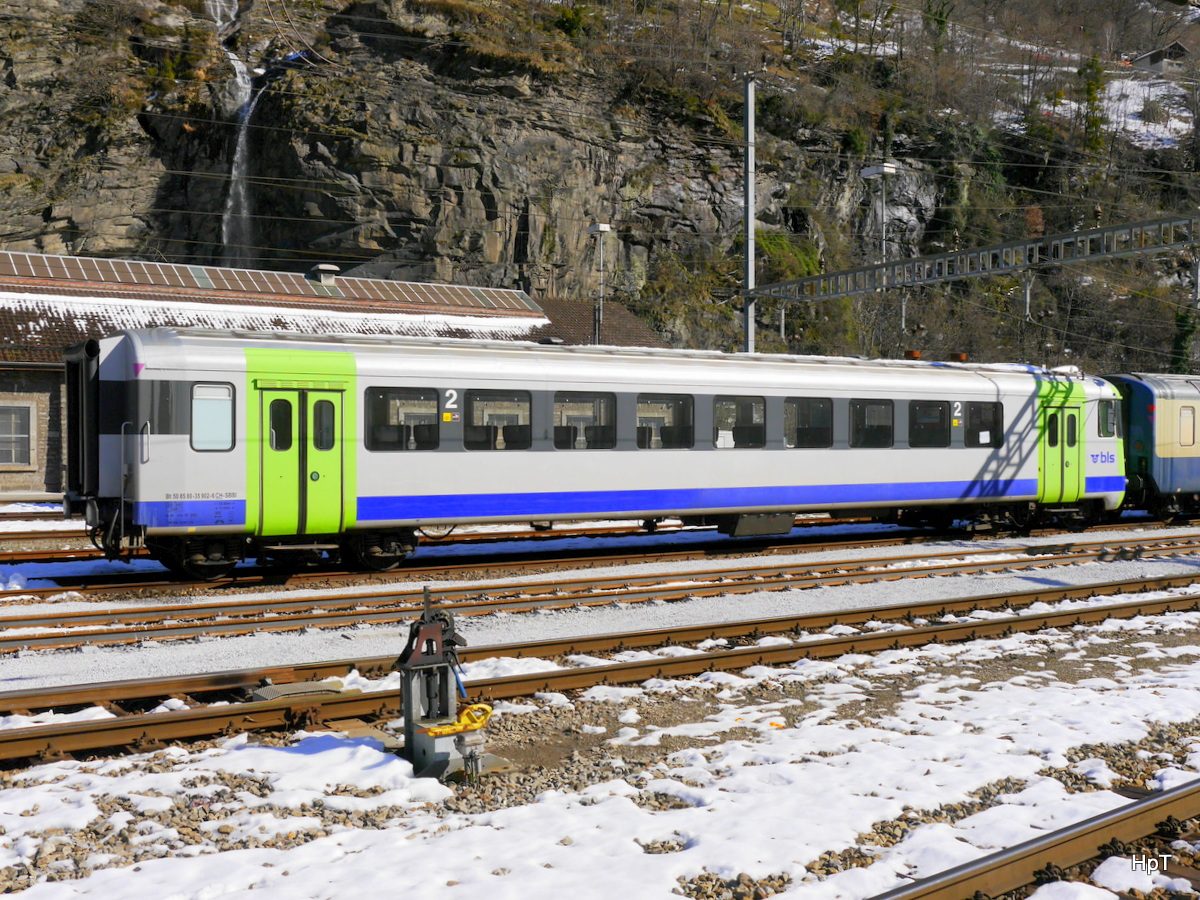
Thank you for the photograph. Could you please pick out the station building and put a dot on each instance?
(48, 303)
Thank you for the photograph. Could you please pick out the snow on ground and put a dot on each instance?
(759, 788)
(757, 796)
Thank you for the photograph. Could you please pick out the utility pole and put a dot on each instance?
(882, 172)
(599, 229)
(748, 280)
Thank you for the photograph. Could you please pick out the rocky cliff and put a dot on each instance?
(447, 140)
(377, 136)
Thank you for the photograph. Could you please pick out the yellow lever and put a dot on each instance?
(472, 718)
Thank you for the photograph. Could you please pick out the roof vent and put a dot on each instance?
(958, 357)
(324, 273)
(551, 341)
(912, 354)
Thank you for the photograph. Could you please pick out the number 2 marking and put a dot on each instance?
(957, 409)
(451, 399)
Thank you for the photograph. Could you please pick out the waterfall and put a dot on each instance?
(236, 227)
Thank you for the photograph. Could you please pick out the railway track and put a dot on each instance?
(9, 515)
(53, 630)
(451, 538)
(420, 569)
(1044, 858)
(316, 705)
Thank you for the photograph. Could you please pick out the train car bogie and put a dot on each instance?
(203, 558)
(379, 551)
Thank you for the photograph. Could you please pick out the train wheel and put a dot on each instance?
(197, 558)
(379, 551)
(1164, 508)
(207, 570)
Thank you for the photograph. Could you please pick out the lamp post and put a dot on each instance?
(882, 172)
(599, 229)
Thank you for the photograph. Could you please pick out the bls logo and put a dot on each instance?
(1104, 457)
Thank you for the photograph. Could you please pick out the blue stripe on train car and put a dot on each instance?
(189, 513)
(1105, 484)
(1176, 474)
(466, 506)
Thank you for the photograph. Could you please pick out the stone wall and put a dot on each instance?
(44, 392)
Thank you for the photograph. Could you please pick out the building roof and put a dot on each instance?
(1173, 50)
(51, 302)
(571, 321)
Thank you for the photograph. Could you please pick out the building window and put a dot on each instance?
(16, 435)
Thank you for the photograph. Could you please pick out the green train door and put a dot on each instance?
(1061, 454)
(302, 462)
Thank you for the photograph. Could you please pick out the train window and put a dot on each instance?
(1187, 426)
(1106, 418)
(739, 422)
(985, 425)
(585, 421)
(1052, 430)
(212, 417)
(280, 417)
(871, 423)
(497, 420)
(664, 421)
(324, 425)
(928, 423)
(1072, 430)
(808, 422)
(401, 419)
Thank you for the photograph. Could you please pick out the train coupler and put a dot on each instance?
(438, 740)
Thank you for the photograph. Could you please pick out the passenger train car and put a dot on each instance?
(207, 447)
(1162, 451)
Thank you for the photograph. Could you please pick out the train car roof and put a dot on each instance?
(1175, 387)
(184, 351)
(175, 337)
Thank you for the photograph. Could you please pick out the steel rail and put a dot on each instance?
(465, 537)
(144, 730)
(1018, 866)
(14, 537)
(242, 617)
(98, 584)
(139, 689)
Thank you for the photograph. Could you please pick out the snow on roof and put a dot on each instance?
(37, 323)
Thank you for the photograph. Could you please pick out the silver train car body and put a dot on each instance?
(206, 447)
